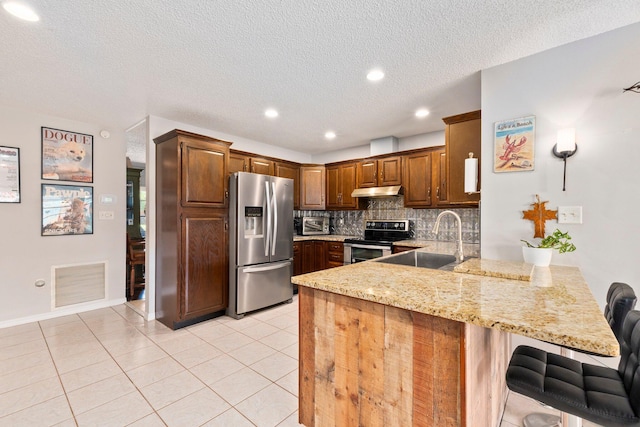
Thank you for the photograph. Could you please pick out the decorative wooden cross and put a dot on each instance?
(539, 214)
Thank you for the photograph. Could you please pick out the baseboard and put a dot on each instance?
(64, 311)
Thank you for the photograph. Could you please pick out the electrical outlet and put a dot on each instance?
(105, 215)
(569, 214)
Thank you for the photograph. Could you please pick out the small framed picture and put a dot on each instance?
(514, 145)
(67, 156)
(66, 209)
(9, 175)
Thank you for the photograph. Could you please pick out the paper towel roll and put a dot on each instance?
(470, 175)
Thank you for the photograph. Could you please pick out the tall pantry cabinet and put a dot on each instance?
(192, 229)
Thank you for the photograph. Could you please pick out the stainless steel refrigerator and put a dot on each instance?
(261, 242)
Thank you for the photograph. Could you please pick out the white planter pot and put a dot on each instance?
(537, 256)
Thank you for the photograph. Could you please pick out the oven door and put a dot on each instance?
(356, 252)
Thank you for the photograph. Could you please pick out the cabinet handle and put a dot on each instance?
(438, 193)
(429, 193)
(226, 194)
(244, 167)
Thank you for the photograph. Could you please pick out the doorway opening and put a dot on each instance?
(136, 204)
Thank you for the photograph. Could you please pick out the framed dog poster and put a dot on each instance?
(9, 175)
(67, 156)
(66, 209)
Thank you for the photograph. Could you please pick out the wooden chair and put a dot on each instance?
(135, 256)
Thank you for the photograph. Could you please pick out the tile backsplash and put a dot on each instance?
(351, 223)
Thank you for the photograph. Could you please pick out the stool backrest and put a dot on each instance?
(629, 357)
(620, 300)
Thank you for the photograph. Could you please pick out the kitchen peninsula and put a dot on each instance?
(392, 345)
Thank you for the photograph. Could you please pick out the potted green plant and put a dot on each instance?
(541, 254)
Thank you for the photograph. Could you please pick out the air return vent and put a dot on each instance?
(79, 283)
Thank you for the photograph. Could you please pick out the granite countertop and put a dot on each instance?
(556, 305)
(324, 237)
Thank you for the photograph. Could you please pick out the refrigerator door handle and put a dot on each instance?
(267, 235)
(266, 267)
(275, 218)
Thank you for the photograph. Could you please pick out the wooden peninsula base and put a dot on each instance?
(367, 364)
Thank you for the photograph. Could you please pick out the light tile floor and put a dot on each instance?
(109, 367)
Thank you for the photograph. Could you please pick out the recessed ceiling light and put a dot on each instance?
(330, 135)
(271, 113)
(422, 113)
(375, 75)
(20, 10)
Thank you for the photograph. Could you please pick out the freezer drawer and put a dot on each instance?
(262, 285)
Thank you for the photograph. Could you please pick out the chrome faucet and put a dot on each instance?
(458, 254)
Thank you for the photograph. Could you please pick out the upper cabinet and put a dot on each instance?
(292, 171)
(425, 178)
(312, 187)
(379, 172)
(417, 179)
(462, 136)
(261, 165)
(238, 162)
(341, 181)
(245, 162)
(203, 171)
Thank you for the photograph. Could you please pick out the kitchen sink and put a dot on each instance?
(420, 259)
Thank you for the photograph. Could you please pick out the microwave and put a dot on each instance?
(315, 225)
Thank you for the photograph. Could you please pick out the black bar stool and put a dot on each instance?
(554, 379)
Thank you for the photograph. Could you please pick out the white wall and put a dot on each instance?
(26, 256)
(577, 85)
(422, 140)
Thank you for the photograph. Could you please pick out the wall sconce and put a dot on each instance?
(565, 147)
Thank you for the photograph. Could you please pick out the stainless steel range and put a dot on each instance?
(378, 240)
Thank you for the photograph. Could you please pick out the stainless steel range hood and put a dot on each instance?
(380, 146)
(394, 190)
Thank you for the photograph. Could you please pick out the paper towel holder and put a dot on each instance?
(471, 175)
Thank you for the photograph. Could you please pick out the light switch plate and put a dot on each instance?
(569, 214)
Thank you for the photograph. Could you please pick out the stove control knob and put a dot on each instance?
(396, 225)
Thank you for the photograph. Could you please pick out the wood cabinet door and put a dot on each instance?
(291, 171)
(263, 166)
(439, 174)
(307, 257)
(297, 258)
(348, 179)
(204, 263)
(238, 163)
(390, 171)
(312, 187)
(333, 187)
(204, 174)
(462, 136)
(367, 175)
(319, 257)
(417, 179)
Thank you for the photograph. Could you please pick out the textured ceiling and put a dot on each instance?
(220, 64)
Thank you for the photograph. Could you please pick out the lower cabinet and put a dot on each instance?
(297, 258)
(315, 255)
(204, 265)
(335, 254)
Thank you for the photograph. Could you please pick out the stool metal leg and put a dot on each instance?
(569, 420)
